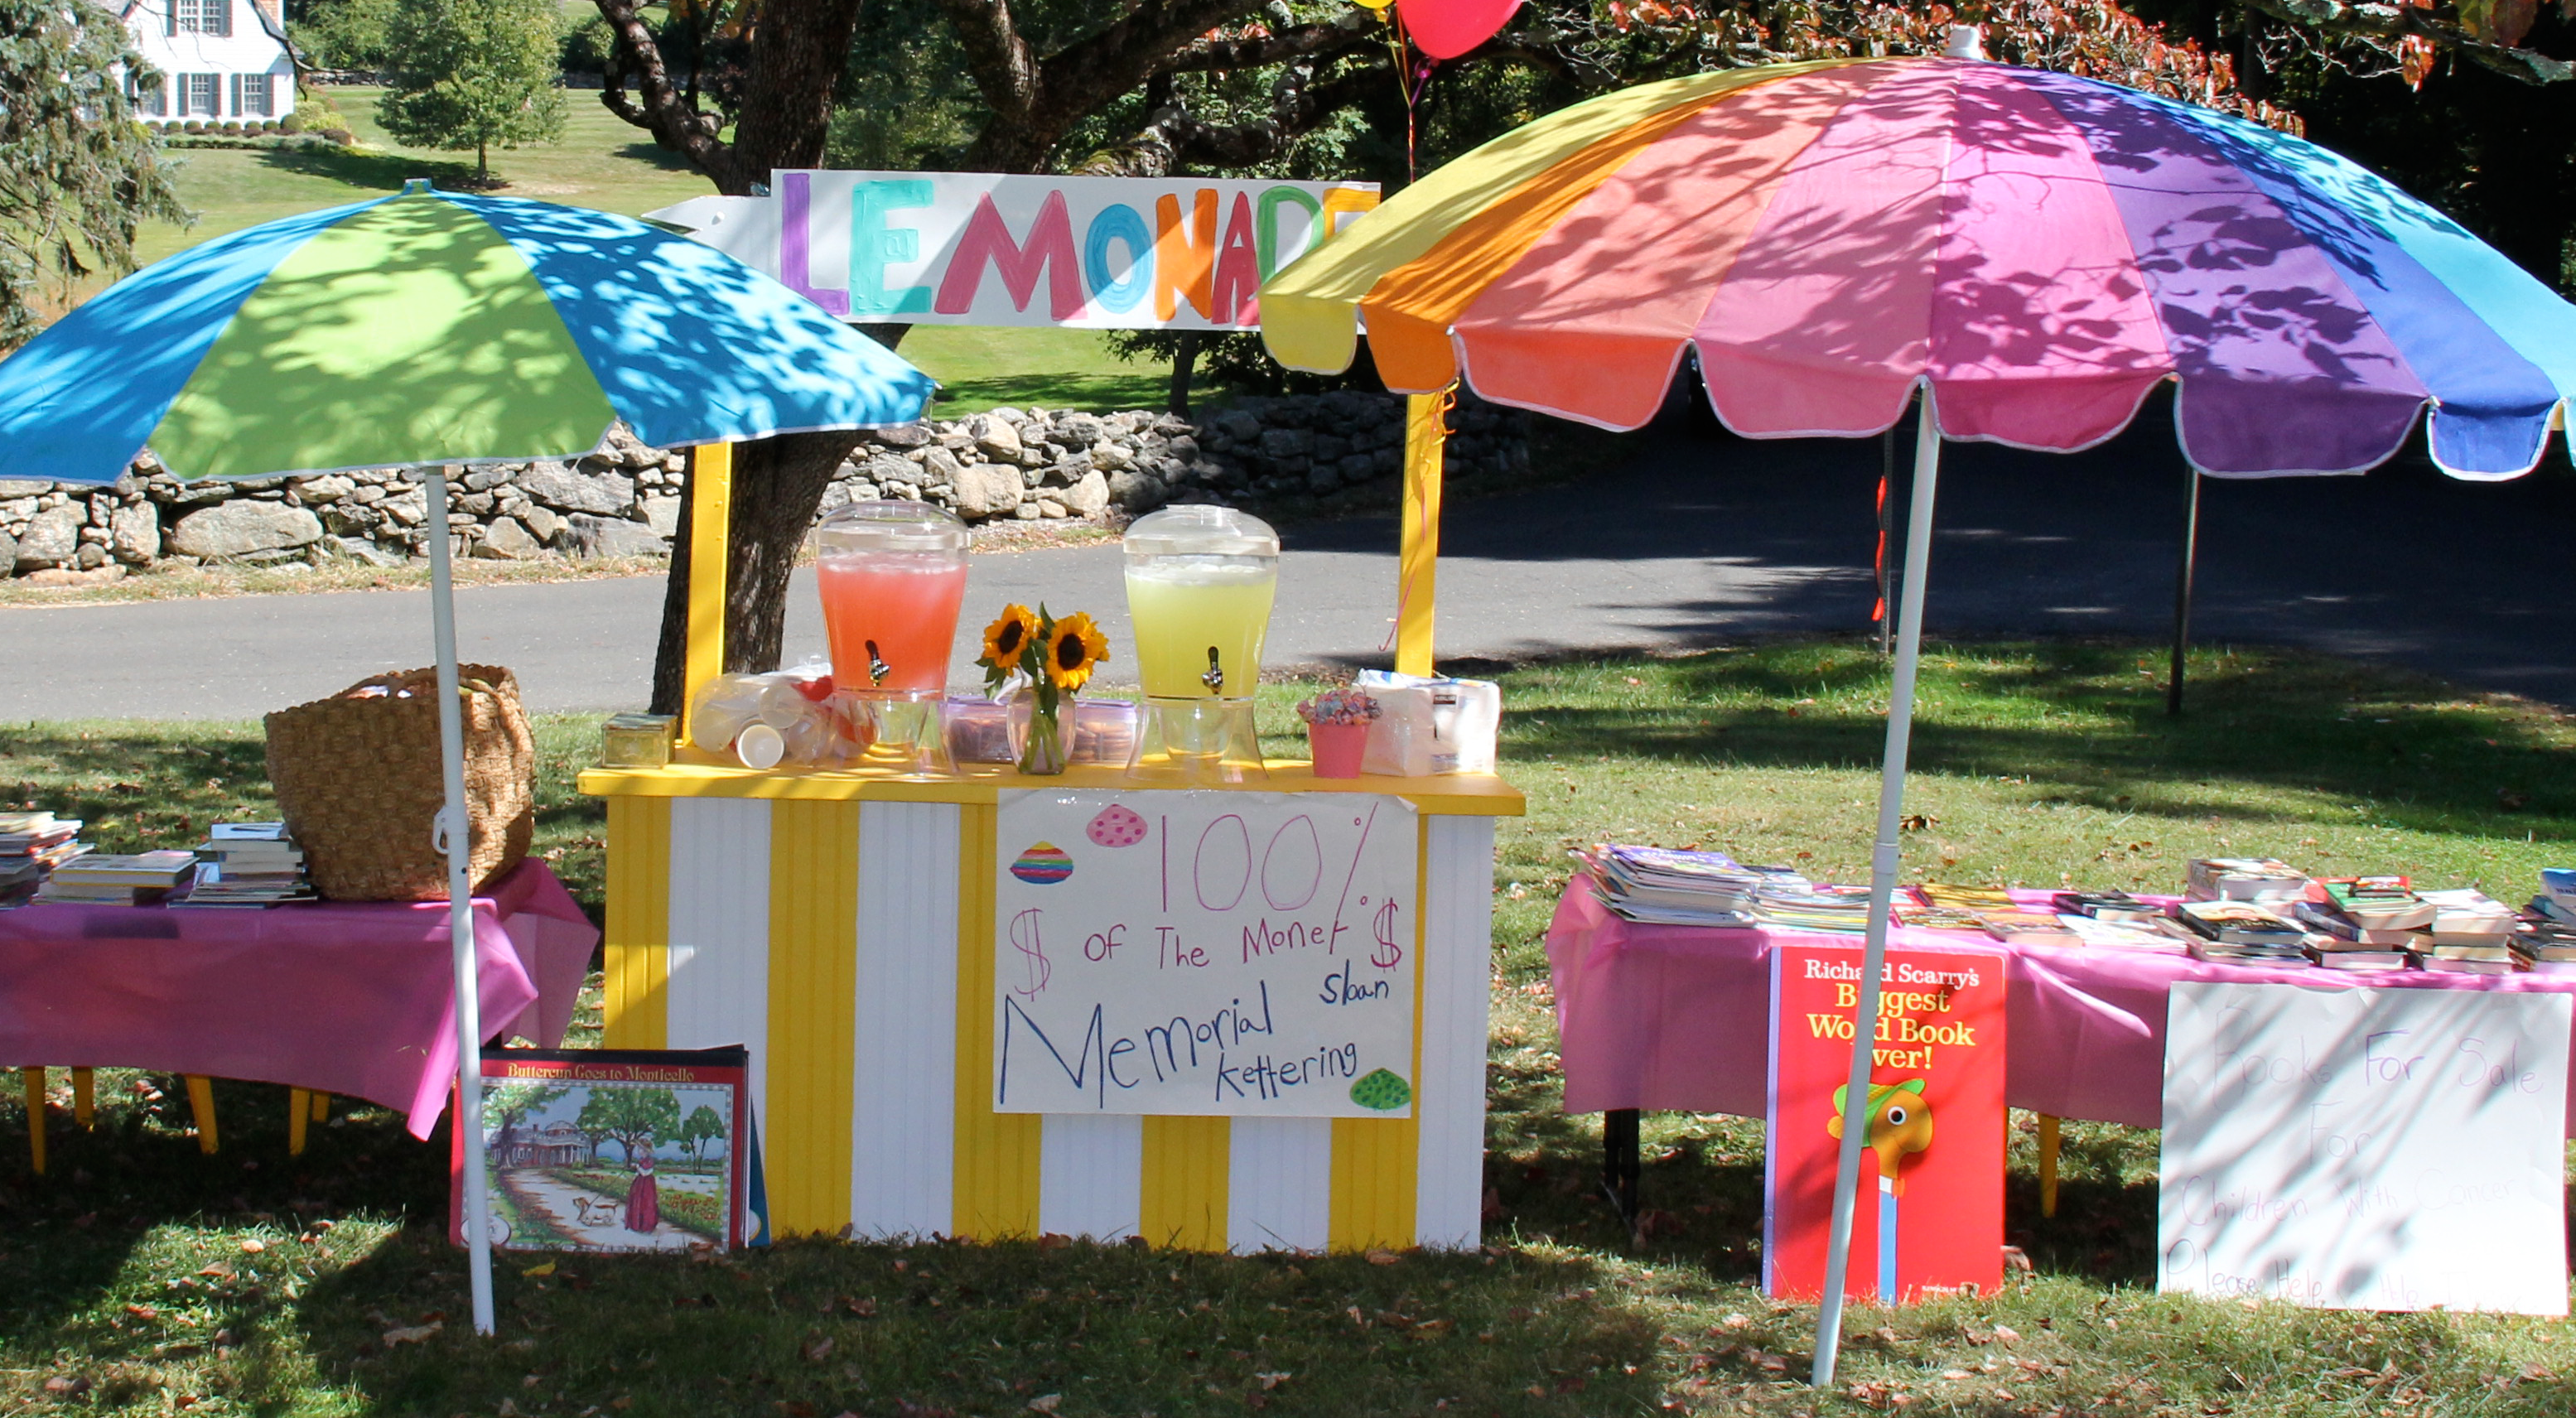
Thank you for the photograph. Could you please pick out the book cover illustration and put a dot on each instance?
(1928, 1216)
(618, 1150)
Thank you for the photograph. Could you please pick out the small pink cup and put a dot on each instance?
(1337, 748)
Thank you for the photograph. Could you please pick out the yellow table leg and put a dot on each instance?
(2047, 1165)
(298, 1113)
(710, 568)
(84, 1096)
(321, 1106)
(34, 1079)
(1425, 430)
(201, 1103)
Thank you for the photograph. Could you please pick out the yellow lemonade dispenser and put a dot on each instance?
(1200, 581)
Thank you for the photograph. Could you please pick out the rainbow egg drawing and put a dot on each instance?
(1043, 864)
(1116, 826)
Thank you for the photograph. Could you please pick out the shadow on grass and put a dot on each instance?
(374, 171)
(653, 154)
(2085, 720)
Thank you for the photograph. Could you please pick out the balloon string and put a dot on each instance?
(1409, 85)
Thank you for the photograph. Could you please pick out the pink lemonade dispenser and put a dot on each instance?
(892, 576)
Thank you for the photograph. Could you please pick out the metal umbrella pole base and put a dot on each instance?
(453, 827)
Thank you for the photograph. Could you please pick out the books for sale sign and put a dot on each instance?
(1929, 1214)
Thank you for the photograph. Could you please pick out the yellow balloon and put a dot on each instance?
(1375, 4)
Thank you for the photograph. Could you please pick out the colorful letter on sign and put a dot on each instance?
(1210, 954)
(968, 248)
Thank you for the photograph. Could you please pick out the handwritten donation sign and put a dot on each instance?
(980, 248)
(2379, 1149)
(1209, 953)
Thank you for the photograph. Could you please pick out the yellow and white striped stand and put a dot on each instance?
(840, 925)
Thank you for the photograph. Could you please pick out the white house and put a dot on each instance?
(221, 61)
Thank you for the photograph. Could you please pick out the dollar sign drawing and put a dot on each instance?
(1388, 953)
(1024, 938)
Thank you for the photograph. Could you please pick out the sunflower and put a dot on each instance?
(1074, 647)
(1008, 637)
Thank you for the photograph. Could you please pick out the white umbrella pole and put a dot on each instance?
(1882, 887)
(460, 914)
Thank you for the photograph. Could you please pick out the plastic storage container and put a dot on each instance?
(893, 575)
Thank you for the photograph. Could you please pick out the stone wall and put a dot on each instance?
(1288, 458)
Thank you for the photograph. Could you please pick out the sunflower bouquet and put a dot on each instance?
(1054, 658)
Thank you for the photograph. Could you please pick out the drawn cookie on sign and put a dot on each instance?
(1043, 864)
(1117, 825)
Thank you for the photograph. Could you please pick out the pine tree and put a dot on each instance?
(78, 174)
(473, 74)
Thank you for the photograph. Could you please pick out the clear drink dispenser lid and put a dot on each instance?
(1198, 530)
(890, 526)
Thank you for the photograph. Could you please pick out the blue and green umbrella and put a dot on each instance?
(433, 329)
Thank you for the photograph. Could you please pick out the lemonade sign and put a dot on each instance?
(1207, 953)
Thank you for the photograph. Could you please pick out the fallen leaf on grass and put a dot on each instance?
(1383, 1257)
(2016, 1259)
(143, 1312)
(62, 1384)
(415, 1334)
(1271, 1381)
(546, 1268)
(219, 1270)
(817, 1349)
(1045, 1402)
(253, 1246)
(1956, 1374)
(2006, 1334)
(1053, 1241)
(865, 1307)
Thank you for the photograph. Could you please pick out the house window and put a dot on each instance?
(214, 17)
(151, 101)
(252, 96)
(200, 95)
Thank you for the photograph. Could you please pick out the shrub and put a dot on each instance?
(341, 136)
(232, 130)
(192, 126)
(291, 123)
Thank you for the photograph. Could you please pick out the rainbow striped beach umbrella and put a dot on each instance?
(2034, 253)
(2038, 250)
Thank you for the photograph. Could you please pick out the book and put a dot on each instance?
(2323, 920)
(1939, 918)
(2559, 885)
(2363, 960)
(1929, 1213)
(1965, 898)
(1822, 907)
(2027, 928)
(2159, 935)
(60, 892)
(2376, 903)
(2289, 957)
(2258, 879)
(2462, 915)
(617, 1150)
(2238, 923)
(247, 831)
(2106, 906)
(1664, 886)
(161, 869)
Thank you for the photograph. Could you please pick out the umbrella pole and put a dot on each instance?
(460, 914)
(1882, 888)
(2182, 585)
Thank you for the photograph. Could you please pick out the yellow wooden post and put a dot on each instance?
(710, 522)
(2048, 1142)
(34, 1081)
(84, 1097)
(299, 1116)
(201, 1106)
(1425, 430)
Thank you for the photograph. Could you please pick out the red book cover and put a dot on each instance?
(1929, 1215)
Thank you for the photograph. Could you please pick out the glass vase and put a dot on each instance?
(1045, 745)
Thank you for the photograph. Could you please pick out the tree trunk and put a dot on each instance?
(1184, 361)
(777, 488)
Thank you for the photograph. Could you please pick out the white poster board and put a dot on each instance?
(1205, 953)
(983, 248)
(2379, 1149)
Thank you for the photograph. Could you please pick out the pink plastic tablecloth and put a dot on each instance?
(352, 998)
(1674, 1017)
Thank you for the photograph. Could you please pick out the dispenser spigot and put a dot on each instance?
(1214, 679)
(878, 669)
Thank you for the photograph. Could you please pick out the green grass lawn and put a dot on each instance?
(137, 1288)
(603, 163)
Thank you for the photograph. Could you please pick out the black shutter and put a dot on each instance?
(170, 16)
(223, 17)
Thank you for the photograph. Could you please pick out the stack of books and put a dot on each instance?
(2242, 932)
(1663, 886)
(101, 879)
(32, 844)
(2545, 935)
(1997, 914)
(2471, 933)
(248, 864)
(1940, 918)
(2261, 880)
(1836, 910)
(2364, 923)
(2117, 906)
(2156, 935)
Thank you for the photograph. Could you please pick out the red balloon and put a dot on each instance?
(1445, 29)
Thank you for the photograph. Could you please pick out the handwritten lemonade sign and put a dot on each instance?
(1240, 954)
(980, 248)
(2393, 1149)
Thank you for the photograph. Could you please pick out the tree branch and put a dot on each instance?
(1173, 137)
(1344, 34)
(664, 111)
(2389, 22)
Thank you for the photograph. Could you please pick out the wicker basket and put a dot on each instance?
(359, 783)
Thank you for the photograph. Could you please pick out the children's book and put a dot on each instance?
(618, 1150)
(1929, 1214)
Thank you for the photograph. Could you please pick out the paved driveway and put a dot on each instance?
(1697, 538)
